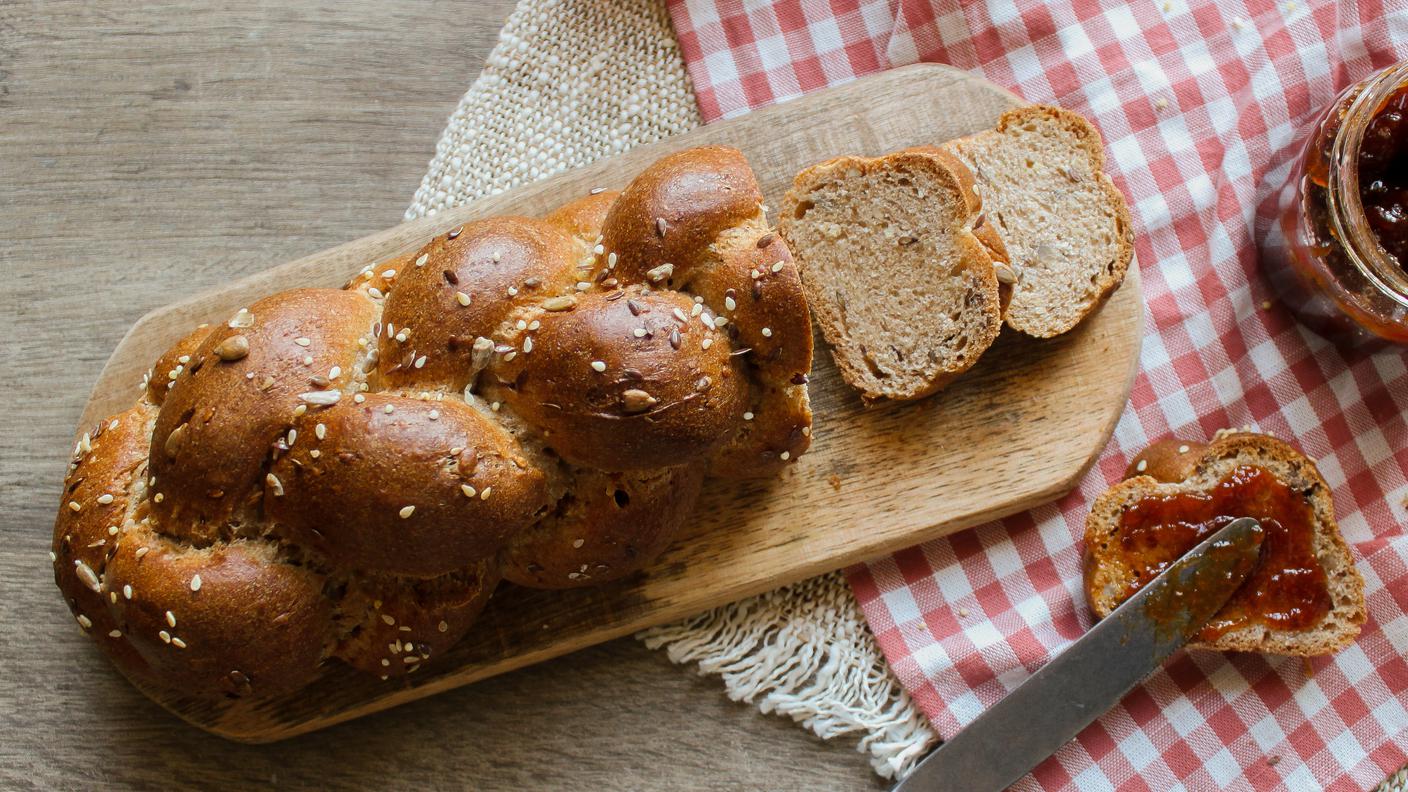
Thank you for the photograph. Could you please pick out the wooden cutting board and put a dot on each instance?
(1017, 431)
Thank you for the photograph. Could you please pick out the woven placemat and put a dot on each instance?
(569, 82)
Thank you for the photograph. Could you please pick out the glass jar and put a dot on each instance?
(1331, 260)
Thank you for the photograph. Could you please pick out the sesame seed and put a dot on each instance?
(390, 408)
(195, 583)
(527, 345)
(510, 355)
(105, 498)
(730, 303)
(1183, 449)
(307, 360)
(403, 335)
(706, 343)
(314, 453)
(178, 643)
(115, 634)
(320, 431)
(443, 627)
(462, 298)
(578, 543)
(785, 455)
(1142, 466)
(170, 619)
(141, 551)
(639, 332)
(232, 348)
(424, 257)
(680, 315)
(494, 406)
(720, 321)
(484, 495)
(165, 636)
(696, 309)
(599, 249)
(468, 491)
(777, 267)
(767, 332)
(112, 530)
(420, 362)
(113, 425)
(407, 511)
(302, 341)
(292, 436)
(127, 591)
(84, 621)
(748, 416)
(660, 226)
(274, 484)
(375, 292)
(598, 366)
(87, 575)
(388, 618)
(53, 556)
(242, 318)
(158, 498)
(434, 415)
(75, 506)
(391, 273)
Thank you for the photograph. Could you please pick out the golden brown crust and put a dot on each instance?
(339, 475)
(396, 625)
(604, 527)
(222, 419)
(233, 617)
(397, 472)
(1172, 466)
(627, 381)
(170, 365)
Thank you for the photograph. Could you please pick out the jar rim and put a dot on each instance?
(1349, 223)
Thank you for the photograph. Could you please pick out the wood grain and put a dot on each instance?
(153, 150)
(1015, 432)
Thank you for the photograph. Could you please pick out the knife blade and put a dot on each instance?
(1087, 679)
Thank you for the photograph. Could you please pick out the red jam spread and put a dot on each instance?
(1287, 590)
(1383, 175)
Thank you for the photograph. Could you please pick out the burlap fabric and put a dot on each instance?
(569, 82)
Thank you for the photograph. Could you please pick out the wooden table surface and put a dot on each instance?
(149, 151)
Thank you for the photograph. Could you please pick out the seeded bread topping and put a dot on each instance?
(346, 475)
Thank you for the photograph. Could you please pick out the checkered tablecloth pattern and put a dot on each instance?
(1200, 103)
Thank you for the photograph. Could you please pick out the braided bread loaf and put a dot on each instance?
(350, 473)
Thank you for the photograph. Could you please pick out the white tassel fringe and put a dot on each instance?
(805, 651)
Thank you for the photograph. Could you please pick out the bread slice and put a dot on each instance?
(1172, 467)
(904, 290)
(1064, 224)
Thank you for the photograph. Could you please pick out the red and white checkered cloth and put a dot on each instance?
(1200, 103)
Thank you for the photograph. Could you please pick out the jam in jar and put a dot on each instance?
(1338, 251)
(1286, 590)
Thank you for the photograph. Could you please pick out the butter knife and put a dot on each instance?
(1094, 673)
